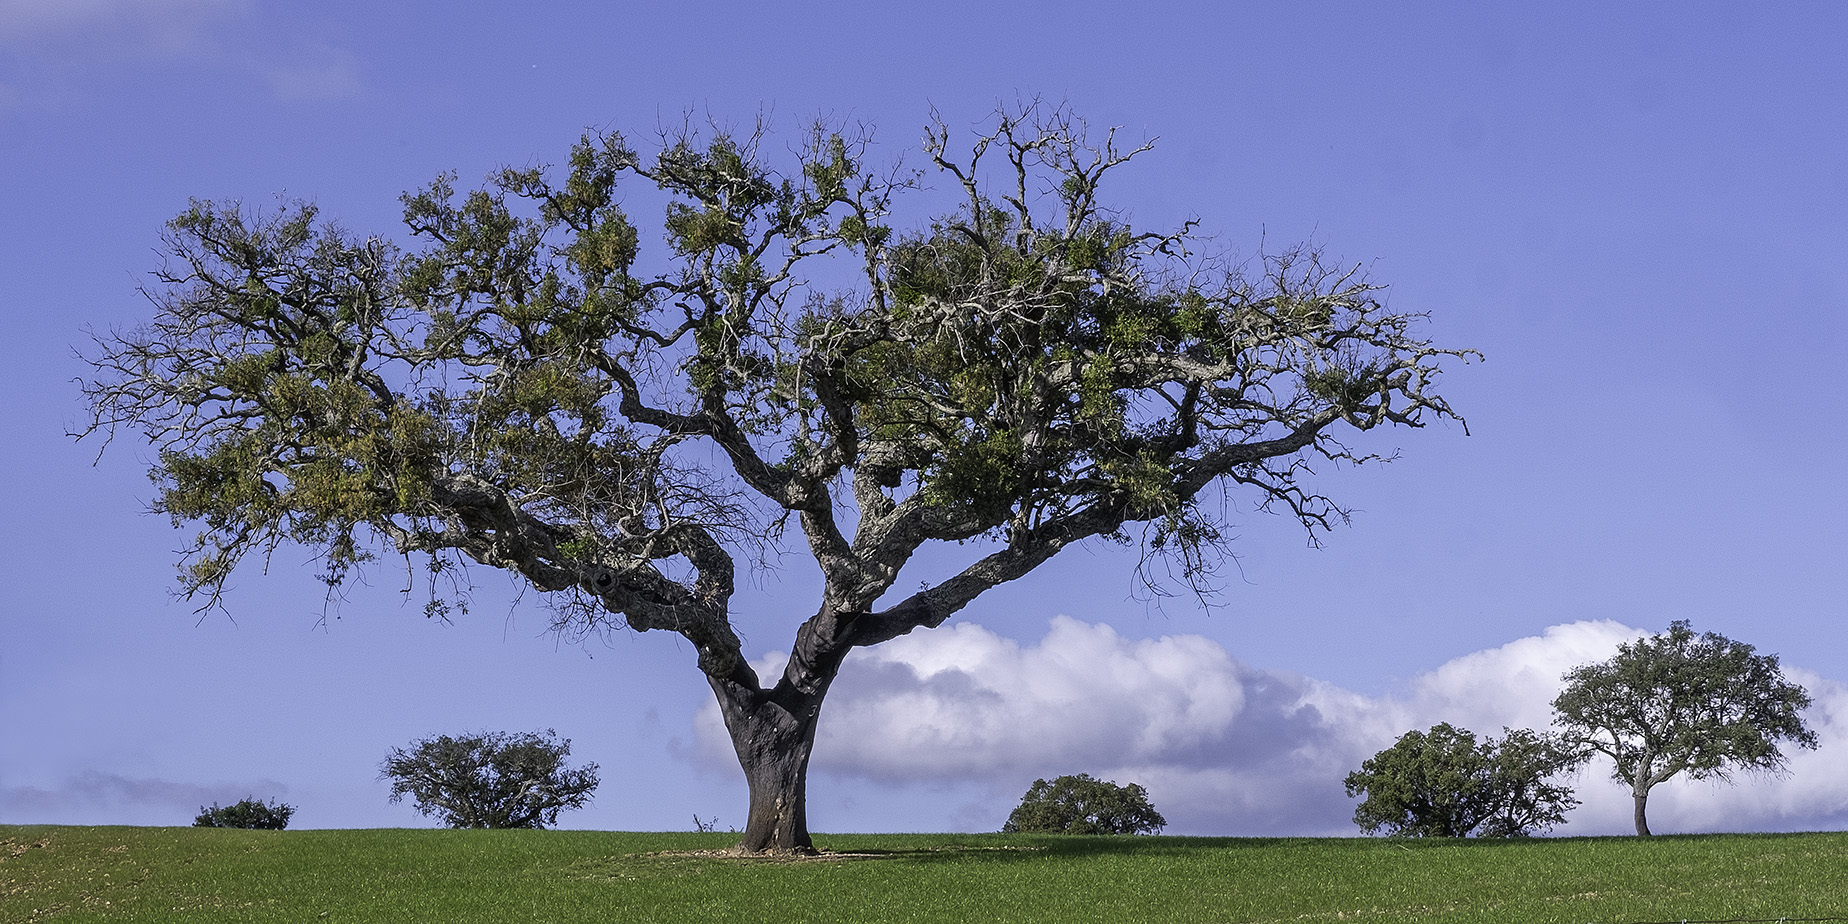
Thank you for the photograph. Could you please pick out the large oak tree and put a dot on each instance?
(537, 385)
(1682, 703)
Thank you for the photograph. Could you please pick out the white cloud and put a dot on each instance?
(1513, 685)
(968, 701)
(1225, 748)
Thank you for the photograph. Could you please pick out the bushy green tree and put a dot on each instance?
(540, 386)
(1525, 796)
(1444, 783)
(1679, 702)
(1080, 804)
(248, 813)
(490, 779)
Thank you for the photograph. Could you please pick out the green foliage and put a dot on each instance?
(1082, 805)
(1679, 702)
(1011, 367)
(1343, 387)
(249, 813)
(1522, 767)
(1443, 783)
(490, 779)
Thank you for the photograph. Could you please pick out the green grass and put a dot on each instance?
(204, 874)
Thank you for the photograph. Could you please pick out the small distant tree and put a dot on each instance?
(1682, 703)
(250, 813)
(490, 779)
(1443, 783)
(1081, 804)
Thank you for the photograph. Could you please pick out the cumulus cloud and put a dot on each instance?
(969, 701)
(1226, 748)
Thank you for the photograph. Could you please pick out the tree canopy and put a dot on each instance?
(490, 779)
(1443, 783)
(1081, 804)
(621, 418)
(1682, 703)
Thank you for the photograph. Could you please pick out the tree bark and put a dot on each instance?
(773, 734)
(773, 746)
(1641, 799)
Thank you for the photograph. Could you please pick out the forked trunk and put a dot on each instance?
(773, 733)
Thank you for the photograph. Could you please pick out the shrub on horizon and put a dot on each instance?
(250, 813)
(1080, 804)
(1444, 783)
(490, 779)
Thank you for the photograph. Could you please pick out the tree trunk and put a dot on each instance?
(773, 733)
(773, 744)
(1641, 798)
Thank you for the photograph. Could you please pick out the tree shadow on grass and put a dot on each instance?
(1019, 847)
(948, 849)
(1032, 847)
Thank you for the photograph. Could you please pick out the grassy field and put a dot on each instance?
(198, 874)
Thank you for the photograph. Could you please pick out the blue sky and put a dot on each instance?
(1639, 215)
